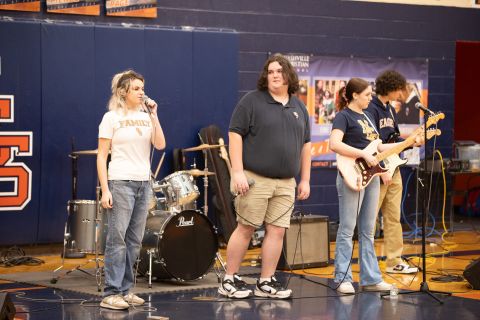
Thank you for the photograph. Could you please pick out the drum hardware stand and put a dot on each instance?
(150, 253)
(218, 256)
(205, 184)
(217, 269)
(98, 269)
(425, 185)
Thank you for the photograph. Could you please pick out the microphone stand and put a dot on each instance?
(424, 285)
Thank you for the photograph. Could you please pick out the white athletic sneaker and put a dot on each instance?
(382, 286)
(346, 287)
(234, 289)
(133, 299)
(272, 289)
(115, 302)
(402, 268)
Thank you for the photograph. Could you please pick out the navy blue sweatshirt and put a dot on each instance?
(384, 118)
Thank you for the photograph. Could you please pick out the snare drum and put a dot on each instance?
(180, 185)
(81, 226)
(184, 245)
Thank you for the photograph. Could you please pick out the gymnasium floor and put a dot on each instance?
(313, 296)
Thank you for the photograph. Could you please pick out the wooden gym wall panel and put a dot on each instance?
(20, 76)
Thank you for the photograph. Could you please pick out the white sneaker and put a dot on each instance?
(133, 299)
(236, 289)
(402, 268)
(272, 289)
(346, 287)
(382, 286)
(115, 302)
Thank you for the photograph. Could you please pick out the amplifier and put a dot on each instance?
(472, 274)
(306, 243)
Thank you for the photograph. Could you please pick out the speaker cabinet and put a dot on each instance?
(306, 243)
(7, 311)
(472, 274)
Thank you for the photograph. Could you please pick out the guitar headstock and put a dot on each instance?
(433, 132)
(223, 151)
(433, 119)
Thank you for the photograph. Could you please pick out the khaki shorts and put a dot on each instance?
(270, 200)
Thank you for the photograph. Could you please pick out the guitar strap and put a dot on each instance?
(397, 129)
(371, 123)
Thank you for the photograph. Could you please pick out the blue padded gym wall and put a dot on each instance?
(60, 75)
(21, 77)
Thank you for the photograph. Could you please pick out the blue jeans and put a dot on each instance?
(126, 225)
(348, 201)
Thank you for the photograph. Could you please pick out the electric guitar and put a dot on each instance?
(356, 172)
(394, 161)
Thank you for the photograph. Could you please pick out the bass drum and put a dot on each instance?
(184, 245)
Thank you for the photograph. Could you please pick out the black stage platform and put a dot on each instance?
(311, 301)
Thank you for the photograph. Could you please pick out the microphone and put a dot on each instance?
(250, 182)
(420, 106)
(145, 99)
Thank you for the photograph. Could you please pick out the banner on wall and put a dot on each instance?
(132, 8)
(20, 5)
(83, 7)
(445, 3)
(321, 77)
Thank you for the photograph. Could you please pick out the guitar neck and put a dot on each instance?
(397, 149)
(224, 155)
(227, 161)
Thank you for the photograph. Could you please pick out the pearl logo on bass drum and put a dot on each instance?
(185, 223)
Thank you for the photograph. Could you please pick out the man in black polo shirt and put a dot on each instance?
(269, 144)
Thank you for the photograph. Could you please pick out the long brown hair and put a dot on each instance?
(288, 71)
(345, 94)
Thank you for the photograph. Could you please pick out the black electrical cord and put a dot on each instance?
(15, 256)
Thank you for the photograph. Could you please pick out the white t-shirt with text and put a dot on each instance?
(130, 136)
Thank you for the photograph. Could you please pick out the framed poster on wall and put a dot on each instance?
(20, 5)
(83, 7)
(321, 78)
(132, 8)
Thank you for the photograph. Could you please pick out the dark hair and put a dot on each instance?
(289, 74)
(389, 81)
(345, 94)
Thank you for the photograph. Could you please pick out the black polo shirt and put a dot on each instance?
(273, 135)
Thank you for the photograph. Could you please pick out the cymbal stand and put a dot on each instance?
(205, 212)
(205, 183)
(218, 269)
(98, 269)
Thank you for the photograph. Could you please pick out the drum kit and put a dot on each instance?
(180, 242)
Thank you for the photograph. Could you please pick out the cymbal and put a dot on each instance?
(86, 152)
(198, 173)
(204, 147)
